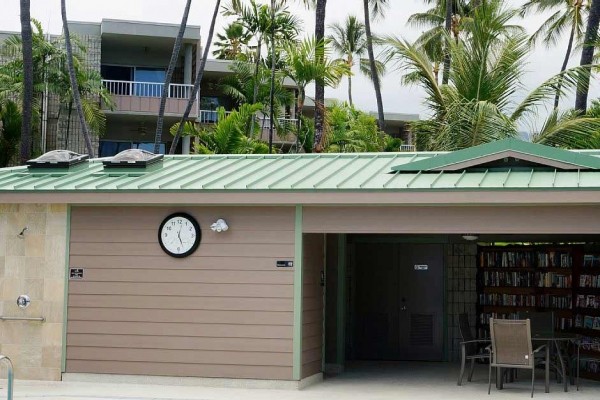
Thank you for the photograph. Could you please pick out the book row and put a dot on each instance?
(587, 322)
(525, 259)
(589, 301)
(553, 280)
(513, 279)
(590, 343)
(559, 302)
(589, 281)
(591, 261)
(499, 299)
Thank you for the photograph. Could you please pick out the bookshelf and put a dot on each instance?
(586, 301)
(514, 279)
(564, 279)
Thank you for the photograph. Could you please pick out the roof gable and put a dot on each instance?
(511, 152)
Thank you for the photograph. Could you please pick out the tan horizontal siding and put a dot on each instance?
(182, 329)
(182, 303)
(179, 369)
(221, 262)
(139, 218)
(312, 304)
(186, 356)
(225, 311)
(236, 236)
(284, 277)
(154, 249)
(178, 289)
(181, 316)
(181, 342)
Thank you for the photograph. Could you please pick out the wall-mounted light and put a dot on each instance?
(21, 235)
(470, 237)
(219, 226)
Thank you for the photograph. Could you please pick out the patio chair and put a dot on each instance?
(511, 347)
(470, 347)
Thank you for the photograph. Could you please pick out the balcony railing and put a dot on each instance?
(209, 116)
(408, 147)
(147, 89)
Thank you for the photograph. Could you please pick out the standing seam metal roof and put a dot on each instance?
(297, 172)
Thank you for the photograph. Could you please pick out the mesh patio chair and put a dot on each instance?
(511, 347)
(470, 348)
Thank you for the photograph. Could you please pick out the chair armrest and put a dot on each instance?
(542, 347)
(489, 348)
(476, 341)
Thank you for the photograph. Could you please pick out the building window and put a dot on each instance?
(149, 81)
(109, 148)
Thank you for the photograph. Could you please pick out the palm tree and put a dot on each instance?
(240, 86)
(479, 104)
(27, 108)
(230, 134)
(569, 16)
(73, 79)
(433, 40)
(169, 75)
(232, 44)
(10, 131)
(256, 19)
(307, 62)
(349, 40)
(320, 10)
(195, 94)
(374, 8)
(587, 55)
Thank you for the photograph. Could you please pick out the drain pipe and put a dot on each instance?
(9, 366)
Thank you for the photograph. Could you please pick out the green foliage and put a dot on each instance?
(233, 43)
(235, 133)
(10, 132)
(352, 131)
(50, 73)
(480, 103)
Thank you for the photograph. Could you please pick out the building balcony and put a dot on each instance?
(144, 97)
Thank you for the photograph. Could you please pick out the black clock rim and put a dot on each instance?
(196, 226)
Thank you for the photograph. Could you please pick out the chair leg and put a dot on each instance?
(490, 379)
(462, 364)
(532, 381)
(472, 369)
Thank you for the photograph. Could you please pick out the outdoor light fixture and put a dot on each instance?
(470, 237)
(22, 234)
(23, 301)
(219, 226)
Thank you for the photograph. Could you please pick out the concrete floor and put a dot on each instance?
(371, 381)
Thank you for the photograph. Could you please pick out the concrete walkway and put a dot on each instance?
(397, 381)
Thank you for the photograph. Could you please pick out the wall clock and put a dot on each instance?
(179, 235)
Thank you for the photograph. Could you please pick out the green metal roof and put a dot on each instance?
(540, 154)
(298, 172)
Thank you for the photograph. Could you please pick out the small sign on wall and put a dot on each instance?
(75, 273)
(285, 264)
(421, 267)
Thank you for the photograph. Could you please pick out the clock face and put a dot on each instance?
(179, 235)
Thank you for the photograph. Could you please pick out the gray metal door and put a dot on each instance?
(399, 307)
(421, 291)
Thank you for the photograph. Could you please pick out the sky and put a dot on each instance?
(543, 62)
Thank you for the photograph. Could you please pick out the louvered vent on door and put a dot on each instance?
(421, 329)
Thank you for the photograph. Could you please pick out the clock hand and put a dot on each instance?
(179, 236)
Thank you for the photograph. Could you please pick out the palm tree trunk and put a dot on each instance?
(68, 124)
(587, 55)
(256, 69)
(350, 90)
(196, 89)
(448, 26)
(374, 73)
(169, 75)
(272, 83)
(27, 110)
(73, 79)
(564, 65)
(319, 84)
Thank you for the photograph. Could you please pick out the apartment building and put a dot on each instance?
(132, 58)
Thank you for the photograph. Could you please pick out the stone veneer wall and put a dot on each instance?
(461, 284)
(34, 266)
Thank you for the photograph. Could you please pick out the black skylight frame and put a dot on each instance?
(148, 159)
(57, 159)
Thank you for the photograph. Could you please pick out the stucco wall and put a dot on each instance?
(34, 265)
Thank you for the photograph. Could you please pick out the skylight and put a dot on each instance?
(132, 158)
(57, 159)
